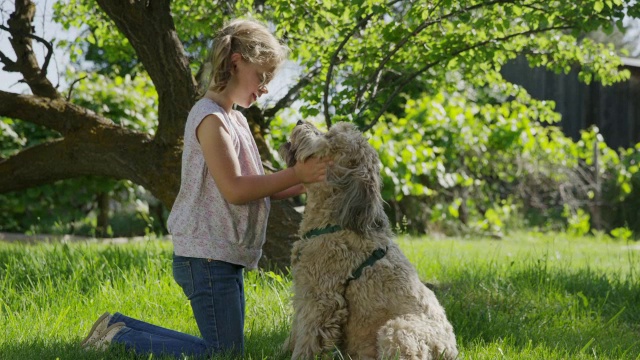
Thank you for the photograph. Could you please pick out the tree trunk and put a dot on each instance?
(281, 234)
(103, 214)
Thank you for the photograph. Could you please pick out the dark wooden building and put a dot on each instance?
(614, 109)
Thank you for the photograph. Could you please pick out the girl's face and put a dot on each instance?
(250, 81)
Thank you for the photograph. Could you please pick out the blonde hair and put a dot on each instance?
(249, 38)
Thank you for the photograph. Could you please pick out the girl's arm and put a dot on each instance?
(224, 166)
(295, 190)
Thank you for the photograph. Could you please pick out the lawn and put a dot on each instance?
(528, 296)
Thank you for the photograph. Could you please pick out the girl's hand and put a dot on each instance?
(312, 170)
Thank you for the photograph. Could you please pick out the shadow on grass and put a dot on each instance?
(608, 297)
(266, 345)
(571, 310)
(37, 350)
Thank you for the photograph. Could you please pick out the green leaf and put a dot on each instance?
(598, 6)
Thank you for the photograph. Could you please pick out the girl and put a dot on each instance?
(219, 218)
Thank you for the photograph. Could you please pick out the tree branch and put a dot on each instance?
(72, 85)
(151, 31)
(9, 65)
(334, 60)
(405, 81)
(21, 30)
(377, 74)
(47, 58)
(55, 114)
(415, 32)
(76, 157)
(291, 95)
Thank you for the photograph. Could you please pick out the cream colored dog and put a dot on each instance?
(354, 290)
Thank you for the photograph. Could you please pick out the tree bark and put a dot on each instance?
(151, 31)
(282, 232)
(102, 225)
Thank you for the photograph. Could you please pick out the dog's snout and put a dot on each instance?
(300, 122)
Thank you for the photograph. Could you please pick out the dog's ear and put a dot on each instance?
(355, 176)
(360, 207)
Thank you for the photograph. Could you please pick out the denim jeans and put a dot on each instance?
(216, 292)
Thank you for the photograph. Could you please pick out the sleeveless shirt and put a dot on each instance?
(202, 223)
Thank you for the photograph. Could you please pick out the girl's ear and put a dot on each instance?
(235, 58)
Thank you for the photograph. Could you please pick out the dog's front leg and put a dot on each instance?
(318, 323)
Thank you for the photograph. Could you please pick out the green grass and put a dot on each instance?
(527, 297)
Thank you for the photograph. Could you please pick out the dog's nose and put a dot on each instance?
(300, 122)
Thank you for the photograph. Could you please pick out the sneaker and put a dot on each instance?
(97, 329)
(103, 342)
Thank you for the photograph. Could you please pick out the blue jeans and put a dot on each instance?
(216, 292)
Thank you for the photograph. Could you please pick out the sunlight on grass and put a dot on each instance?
(529, 296)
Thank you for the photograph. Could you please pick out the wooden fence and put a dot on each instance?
(614, 109)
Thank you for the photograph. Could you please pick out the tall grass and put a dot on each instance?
(527, 297)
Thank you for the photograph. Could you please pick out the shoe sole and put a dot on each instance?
(93, 328)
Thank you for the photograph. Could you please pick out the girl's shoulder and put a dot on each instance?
(206, 104)
(204, 107)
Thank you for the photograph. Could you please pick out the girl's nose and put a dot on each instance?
(263, 89)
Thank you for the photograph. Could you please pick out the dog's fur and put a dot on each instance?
(387, 312)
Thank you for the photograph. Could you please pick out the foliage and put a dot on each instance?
(461, 155)
(624, 41)
(129, 101)
(372, 60)
(484, 164)
(355, 78)
(527, 297)
(394, 48)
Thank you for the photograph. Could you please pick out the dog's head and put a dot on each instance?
(353, 184)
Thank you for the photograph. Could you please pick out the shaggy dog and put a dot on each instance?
(354, 290)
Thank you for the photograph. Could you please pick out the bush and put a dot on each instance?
(453, 165)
